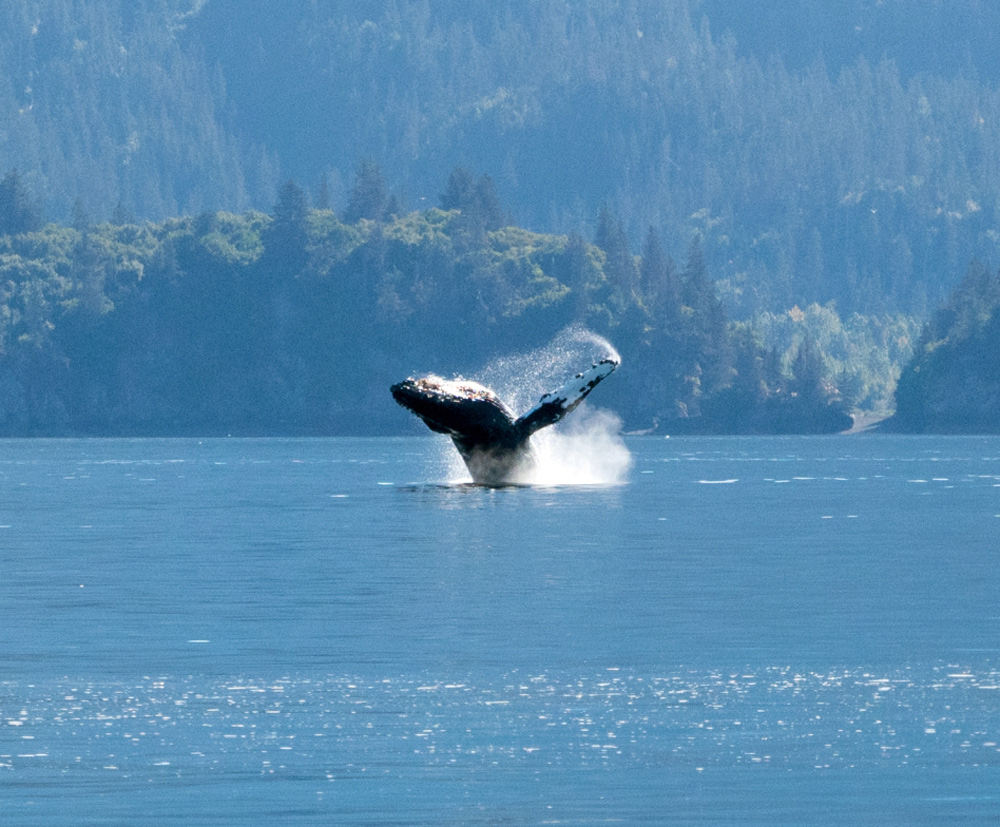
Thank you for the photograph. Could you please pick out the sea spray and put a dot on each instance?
(587, 448)
(521, 379)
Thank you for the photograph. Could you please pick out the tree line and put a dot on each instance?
(298, 320)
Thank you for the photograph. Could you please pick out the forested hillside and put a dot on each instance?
(952, 385)
(846, 155)
(859, 185)
(102, 106)
(297, 321)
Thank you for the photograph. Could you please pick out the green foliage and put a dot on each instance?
(235, 239)
(861, 356)
(853, 181)
(952, 384)
(297, 322)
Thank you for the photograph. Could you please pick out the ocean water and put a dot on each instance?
(798, 631)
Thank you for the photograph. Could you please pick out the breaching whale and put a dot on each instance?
(494, 444)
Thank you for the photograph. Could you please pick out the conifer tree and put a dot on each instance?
(477, 201)
(580, 276)
(323, 195)
(489, 211)
(459, 190)
(611, 237)
(707, 326)
(807, 374)
(368, 198)
(658, 280)
(287, 237)
(19, 213)
(81, 218)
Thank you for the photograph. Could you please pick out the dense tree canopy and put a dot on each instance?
(297, 322)
(823, 182)
(953, 382)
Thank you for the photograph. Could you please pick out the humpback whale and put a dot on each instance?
(493, 442)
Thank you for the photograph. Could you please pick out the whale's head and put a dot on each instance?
(457, 407)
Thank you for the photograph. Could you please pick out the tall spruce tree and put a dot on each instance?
(460, 189)
(286, 238)
(368, 198)
(612, 239)
(658, 281)
(477, 202)
(707, 334)
(19, 212)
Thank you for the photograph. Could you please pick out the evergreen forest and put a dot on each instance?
(213, 211)
(297, 321)
(952, 384)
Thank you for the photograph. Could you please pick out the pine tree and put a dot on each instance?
(581, 276)
(807, 374)
(459, 190)
(707, 325)
(292, 206)
(658, 281)
(81, 218)
(489, 211)
(611, 237)
(477, 202)
(19, 213)
(368, 198)
(286, 238)
(323, 195)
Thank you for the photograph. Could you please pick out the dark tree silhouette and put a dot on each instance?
(368, 198)
(19, 212)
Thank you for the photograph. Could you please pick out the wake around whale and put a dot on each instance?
(494, 444)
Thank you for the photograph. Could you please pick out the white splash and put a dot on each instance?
(587, 447)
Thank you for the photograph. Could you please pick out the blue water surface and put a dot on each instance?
(744, 631)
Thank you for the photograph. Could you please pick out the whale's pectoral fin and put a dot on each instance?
(555, 405)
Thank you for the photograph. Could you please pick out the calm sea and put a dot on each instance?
(740, 631)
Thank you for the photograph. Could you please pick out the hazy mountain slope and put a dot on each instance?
(940, 37)
(854, 183)
(99, 102)
(864, 181)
